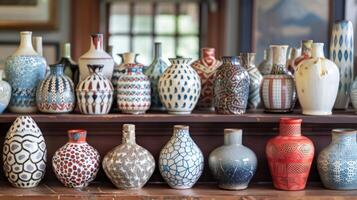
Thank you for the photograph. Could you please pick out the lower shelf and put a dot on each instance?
(106, 191)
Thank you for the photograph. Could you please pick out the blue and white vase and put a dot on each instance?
(341, 53)
(233, 164)
(5, 93)
(24, 70)
(337, 163)
(154, 72)
(181, 161)
(55, 94)
(179, 87)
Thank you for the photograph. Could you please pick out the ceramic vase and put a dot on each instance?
(76, 163)
(179, 87)
(133, 90)
(206, 68)
(233, 170)
(293, 55)
(266, 65)
(129, 166)
(70, 67)
(341, 53)
(317, 82)
(38, 47)
(337, 162)
(290, 156)
(24, 153)
(306, 53)
(247, 61)
(55, 94)
(24, 70)
(278, 89)
(5, 93)
(231, 87)
(95, 93)
(154, 72)
(181, 161)
(354, 94)
(96, 56)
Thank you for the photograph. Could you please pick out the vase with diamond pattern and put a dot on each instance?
(95, 93)
(133, 90)
(206, 68)
(179, 87)
(24, 70)
(341, 53)
(337, 163)
(290, 156)
(181, 161)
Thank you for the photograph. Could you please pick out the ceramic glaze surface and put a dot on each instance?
(181, 161)
(5, 93)
(24, 153)
(231, 87)
(337, 163)
(76, 163)
(95, 93)
(55, 94)
(290, 156)
(206, 68)
(317, 82)
(266, 65)
(129, 166)
(354, 94)
(179, 87)
(233, 164)
(341, 53)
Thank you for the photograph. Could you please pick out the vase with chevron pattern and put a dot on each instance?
(341, 53)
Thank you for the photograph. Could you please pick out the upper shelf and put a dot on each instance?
(340, 117)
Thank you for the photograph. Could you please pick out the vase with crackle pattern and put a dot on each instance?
(290, 156)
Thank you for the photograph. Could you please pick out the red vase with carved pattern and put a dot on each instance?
(290, 156)
(76, 163)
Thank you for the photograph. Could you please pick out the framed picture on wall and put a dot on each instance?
(28, 14)
(289, 22)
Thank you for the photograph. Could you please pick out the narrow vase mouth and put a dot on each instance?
(77, 135)
(181, 127)
(343, 131)
(180, 60)
(288, 120)
(232, 130)
(26, 33)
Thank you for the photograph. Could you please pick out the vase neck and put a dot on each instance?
(231, 60)
(295, 52)
(128, 57)
(66, 51)
(38, 45)
(180, 61)
(344, 136)
(232, 136)
(56, 69)
(290, 127)
(208, 56)
(279, 58)
(134, 68)
(97, 42)
(306, 48)
(247, 60)
(95, 69)
(318, 50)
(128, 134)
(77, 136)
(25, 47)
(157, 50)
(181, 131)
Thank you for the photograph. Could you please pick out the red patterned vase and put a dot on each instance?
(76, 163)
(290, 156)
(206, 68)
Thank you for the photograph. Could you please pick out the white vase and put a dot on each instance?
(5, 93)
(96, 56)
(317, 81)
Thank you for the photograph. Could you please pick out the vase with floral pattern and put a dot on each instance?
(5, 93)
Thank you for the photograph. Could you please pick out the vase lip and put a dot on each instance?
(181, 127)
(77, 135)
(278, 45)
(307, 41)
(289, 120)
(232, 130)
(344, 131)
(26, 33)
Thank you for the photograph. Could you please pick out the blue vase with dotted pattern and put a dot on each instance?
(181, 161)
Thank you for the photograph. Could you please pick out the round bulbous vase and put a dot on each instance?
(179, 87)
(76, 163)
(290, 156)
(129, 166)
(55, 94)
(181, 161)
(317, 82)
(5, 93)
(233, 170)
(337, 162)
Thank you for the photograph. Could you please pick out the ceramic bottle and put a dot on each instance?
(179, 87)
(133, 90)
(206, 68)
(341, 53)
(96, 56)
(129, 166)
(38, 47)
(70, 67)
(55, 94)
(306, 52)
(247, 61)
(5, 93)
(24, 153)
(181, 161)
(95, 93)
(290, 156)
(266, 65)
(24, 70)
(233, 170)
(154, 72)
(278, 89)
(337, 162)
(231, 87)
(293, 55)
(317, 82)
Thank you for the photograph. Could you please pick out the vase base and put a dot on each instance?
(232, 187)
(182, 187)
(312, 112)
(133, 112)
(179, 113)
(18, 109)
